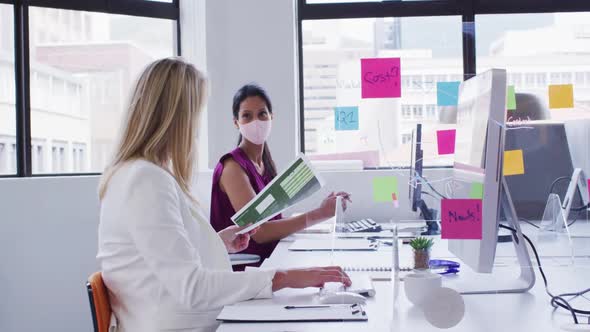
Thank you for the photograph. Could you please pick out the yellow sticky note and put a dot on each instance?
(561, 96)
(513, 162)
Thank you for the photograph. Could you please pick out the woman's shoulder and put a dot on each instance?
(229, 161)
(141, 170)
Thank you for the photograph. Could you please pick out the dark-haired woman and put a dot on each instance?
(245, 171)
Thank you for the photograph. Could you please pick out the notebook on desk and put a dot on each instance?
(276, 313)
(377, 273)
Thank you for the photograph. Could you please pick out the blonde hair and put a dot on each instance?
(162, 119)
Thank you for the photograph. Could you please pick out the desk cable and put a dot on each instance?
(557, 301)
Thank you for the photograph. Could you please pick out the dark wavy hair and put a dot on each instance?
(253, 90)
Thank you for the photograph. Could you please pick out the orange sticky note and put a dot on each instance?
(561, 96)
(513, 162)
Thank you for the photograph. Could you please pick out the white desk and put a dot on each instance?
(502, 312)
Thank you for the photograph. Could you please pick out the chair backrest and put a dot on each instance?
(99, 302)
(529, 107)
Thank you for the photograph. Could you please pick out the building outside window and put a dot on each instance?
(82, 65)
(332, 50)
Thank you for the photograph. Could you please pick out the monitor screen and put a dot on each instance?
(415, 185)
(473, 112)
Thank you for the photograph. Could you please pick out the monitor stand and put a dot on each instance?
(575, 184)
(429, 216)
(492, 283)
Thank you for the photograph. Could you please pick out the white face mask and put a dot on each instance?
(256, 131)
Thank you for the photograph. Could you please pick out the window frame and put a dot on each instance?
(140, 8)
(467, 9)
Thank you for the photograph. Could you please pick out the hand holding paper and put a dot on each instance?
(233, 241)
(297, 182)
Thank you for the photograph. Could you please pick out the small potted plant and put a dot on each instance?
(421, 246)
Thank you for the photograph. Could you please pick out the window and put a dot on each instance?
(431, 112)
(68, 68)
(343, 31)
(529, 80)
(541, 79)
(82, 63)
(417, 112)
(78, 157)
(406, 138)
(38, 159)
(529, 41)
(332, 51)
(429, 82)
(344, 1)
(3, 155)
(406, 112)
(55, 159)
(7, 92)
(579, 78)
(12, 159)
(516, 79)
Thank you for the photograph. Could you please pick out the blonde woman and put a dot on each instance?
(165, 267)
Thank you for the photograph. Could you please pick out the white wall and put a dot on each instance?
(252, 41)
(47, 249)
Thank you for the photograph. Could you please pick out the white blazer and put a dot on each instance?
(165, 267)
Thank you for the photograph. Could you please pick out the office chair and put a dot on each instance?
(529, 107)
(100, 306)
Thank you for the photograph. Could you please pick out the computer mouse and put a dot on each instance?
(342, 298)
(575, 327)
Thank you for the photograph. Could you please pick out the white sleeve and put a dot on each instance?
(152, 212)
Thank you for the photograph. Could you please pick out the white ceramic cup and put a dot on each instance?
(419, 286)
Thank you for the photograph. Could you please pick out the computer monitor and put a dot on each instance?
(479, 158)
(415, 184)
(547, 157)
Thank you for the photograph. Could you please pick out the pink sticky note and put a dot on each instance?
(395, 201)
(461, 219)
(446, 141)
(380, 78)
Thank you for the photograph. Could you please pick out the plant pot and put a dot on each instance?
(421, 259)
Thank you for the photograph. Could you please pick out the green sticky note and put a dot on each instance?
(476, 191)
(383, 188)
(510, 98)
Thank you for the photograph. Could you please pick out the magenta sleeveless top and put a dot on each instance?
(222, 210)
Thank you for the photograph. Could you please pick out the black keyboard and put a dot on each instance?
(362, 226)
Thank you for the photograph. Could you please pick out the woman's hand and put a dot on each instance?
(311, 277)
(328, 207)
(235, 242)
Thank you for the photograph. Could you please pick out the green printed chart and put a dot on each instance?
(296, 183)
